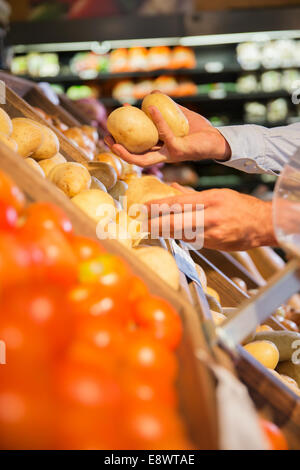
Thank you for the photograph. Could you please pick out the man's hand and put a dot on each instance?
(232, 221)
(203, 142)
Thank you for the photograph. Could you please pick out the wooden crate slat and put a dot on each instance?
(32, 94)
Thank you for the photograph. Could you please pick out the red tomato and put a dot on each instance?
(48, 216)
(10, 193)
(137, 388)
(274, 435)
(87, 354)
(86, 248)
(8, 216)
(82, 385)
(159, 318)
(150, 427)
(104, 334)
(137, 290)
(15, 262)
(26, 419)
(100, 302)
(35, 325)
(52, 256)
(149, 357)
(107, 270)
(82, 429)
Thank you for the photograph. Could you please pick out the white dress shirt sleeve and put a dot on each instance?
(257, 149)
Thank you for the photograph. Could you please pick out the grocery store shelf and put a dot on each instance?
(111, 102)
(235, 68)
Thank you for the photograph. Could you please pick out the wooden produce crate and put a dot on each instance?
(273, 398)
(32, 94)
(16, 106)
(196, 385)
(70, 107)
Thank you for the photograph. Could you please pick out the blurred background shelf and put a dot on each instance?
(224, 89)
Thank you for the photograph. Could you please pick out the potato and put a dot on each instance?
(265, 352)
(218, 318)
(28, 136)
(288, 381)
(283, 340)
(35, 166)
(133, 129)
(240, 283)
(9, 142)
(110, 159)
(97, 204)
(147, 188)
(96, 184)
(290, 369)
(50, 144)
(129, 178)
(70, 177)
(105, 173)
(50, 163)
(119, 190)
(213, 293)
(119, 229)
(263, 328)
(170, 111)
(91, 132)
(6, 125)
(161, 262)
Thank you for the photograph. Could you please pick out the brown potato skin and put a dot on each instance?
(133, 129)
(170, 111)
(28, 136)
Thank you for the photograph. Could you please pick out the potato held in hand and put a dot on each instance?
(28, 135)
(169, 110)
(71, 178)
(133, 129)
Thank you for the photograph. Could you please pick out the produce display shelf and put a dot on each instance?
(135, 74)
(229, 96)
(202, 72)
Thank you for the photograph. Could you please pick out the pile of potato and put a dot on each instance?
(276, 350)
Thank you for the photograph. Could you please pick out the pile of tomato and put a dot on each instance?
(90, 353)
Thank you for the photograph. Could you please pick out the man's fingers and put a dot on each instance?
(191, 199)
(188, 227)
(109, 141)
(143, 160)
(164, 131)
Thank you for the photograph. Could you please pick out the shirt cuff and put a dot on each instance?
(248, 149)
